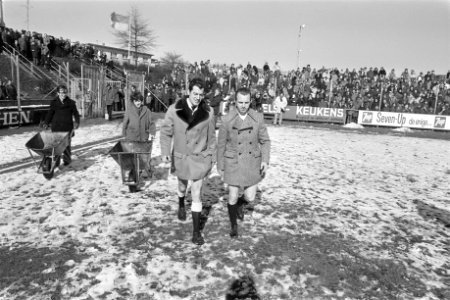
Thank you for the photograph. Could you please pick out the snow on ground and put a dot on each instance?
(333, 203)
(13, 146)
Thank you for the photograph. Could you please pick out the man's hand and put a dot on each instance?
(263, 170)
(45, 126)
(76, 125)
(151, 138)
(165, 159)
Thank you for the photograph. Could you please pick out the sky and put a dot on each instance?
(345, 196)
(350, 34)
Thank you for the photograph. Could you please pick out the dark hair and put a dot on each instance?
(198, 82)
(61, 87)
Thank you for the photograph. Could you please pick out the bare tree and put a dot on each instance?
(172, 59)
(139, 37)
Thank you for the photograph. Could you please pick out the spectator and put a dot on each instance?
(279, 106)
(215, 102)
(112, 97)
(11, 90)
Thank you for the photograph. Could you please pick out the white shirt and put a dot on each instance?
(242, 117)
(190, 106)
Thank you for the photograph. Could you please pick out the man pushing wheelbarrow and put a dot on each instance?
(60, 117)
(133, 154)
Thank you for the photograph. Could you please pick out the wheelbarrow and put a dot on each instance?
(133, 159)
(50, 146)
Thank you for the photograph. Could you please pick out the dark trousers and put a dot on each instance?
(67, 154)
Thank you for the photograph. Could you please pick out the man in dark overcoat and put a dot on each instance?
(189, 123)
(243, 153)
(63, 117)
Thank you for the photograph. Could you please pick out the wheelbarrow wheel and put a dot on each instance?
(47, 168)
(133, 188)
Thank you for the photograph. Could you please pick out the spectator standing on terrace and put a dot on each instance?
(35, 50)
(23, 45)
(257, 102)
(190, 124)
(45, 56)
(279, 106)
(215, 103)
(2, 91)
(63, 111)
(11, 90)
(243, 153)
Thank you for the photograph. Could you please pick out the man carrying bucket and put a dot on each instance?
(61, 115)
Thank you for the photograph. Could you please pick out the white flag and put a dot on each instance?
(119, 22)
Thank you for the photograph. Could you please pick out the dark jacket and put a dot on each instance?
(215, 104)
(61, 115)
(11, 91)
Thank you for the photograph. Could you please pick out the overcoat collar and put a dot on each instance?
(251, 113)
(184, 113)
(238, 123)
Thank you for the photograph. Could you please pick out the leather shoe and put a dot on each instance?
(197, 238)
(234, 231)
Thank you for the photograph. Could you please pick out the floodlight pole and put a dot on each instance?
(303, 26)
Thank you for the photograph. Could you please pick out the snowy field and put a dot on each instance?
(340, 215)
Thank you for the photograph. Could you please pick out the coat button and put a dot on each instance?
(250, 143)
(239, 143)
(240, 153)
(249, 153)
(249, 131)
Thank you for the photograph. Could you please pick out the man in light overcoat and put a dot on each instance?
(243, 153)
(190, 124)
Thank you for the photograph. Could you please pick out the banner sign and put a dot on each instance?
(392, 119)
(309, 113)
(28, 115)
(302, 113)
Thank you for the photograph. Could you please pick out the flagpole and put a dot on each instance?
(2, 21)
(129, 37)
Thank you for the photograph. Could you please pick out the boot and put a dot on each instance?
(240, 207)
(232, 213)
(181, 209)
(197, 236)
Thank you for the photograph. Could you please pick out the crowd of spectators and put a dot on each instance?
(40, 48)
(364, 89)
